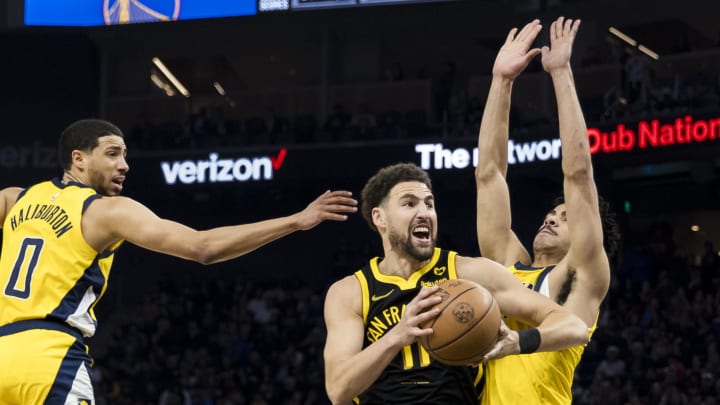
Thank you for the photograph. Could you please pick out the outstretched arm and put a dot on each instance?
(8, 197)
(112, 219)
(586, 255)
(350, 369)
(496, 239)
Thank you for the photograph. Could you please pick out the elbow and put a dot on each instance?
(578, 172)
(485, 174)
(200, 252)
(580, 332)
(337, 394)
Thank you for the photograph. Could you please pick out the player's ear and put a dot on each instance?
(378, 217)
(78, 158)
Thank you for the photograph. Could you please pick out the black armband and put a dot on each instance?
(529, 340)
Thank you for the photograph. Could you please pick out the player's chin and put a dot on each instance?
(113, 190)
(424, 252)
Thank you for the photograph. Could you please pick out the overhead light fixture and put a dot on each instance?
(162, 84)
(220, 89)
(649, 52)
(622, 36)
(175, 82)
(694, 228)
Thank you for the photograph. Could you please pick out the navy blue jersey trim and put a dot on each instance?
(91, 278)
(22, 193)
(58, 183)
(22, 326)
(88, 200)
(542, 276)
(521, 266)
(69, 367)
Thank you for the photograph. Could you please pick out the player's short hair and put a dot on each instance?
(610, 228)
(83, 135)
(379, 185)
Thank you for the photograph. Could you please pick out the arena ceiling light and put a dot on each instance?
(219, 88)
(622, 36)
(171, 77)
(632, 42)
(649, 52)
(162, 84)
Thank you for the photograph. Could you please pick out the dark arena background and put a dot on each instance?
(240, 111)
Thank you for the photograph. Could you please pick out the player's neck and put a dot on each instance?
(69, 177)
(544, 259)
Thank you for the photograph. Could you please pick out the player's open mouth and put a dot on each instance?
(421, 232)
(118, 181)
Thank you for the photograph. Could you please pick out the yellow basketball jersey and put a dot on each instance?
(538, 378)
(47, 269)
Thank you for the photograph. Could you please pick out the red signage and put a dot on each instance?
(651, 134)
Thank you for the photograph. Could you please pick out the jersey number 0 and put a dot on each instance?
(22, 271)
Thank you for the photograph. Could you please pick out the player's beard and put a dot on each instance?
(99, 183)
(405, 243)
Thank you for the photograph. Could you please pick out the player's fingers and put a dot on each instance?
(340, 201)
(528, 29)
(330, 216)
(426, 316)
(531, 54)
(567, 26)
(559, 27)
(337, 194)
(575, 28)
(494, 353)
(424, 332)
(340, 209)
(425, 292)
(511, 36)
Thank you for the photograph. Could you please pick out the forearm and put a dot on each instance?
(561, 330)
(228, 242)
(573, 130)
(356, 374)
(494, 128)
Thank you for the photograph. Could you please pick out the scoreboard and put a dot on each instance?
(117, 12)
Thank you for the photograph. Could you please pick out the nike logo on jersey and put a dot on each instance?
(375, 298)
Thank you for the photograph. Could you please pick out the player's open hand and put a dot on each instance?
(515, 54)
(562, 35)
(330, 206)
(508, 343)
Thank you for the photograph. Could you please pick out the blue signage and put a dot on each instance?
(112, 12)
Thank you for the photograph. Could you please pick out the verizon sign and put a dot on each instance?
(645, 135)
(217, 170)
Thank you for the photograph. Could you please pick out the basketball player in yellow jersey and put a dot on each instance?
(569, 263)
(59, 238)
(373, 316)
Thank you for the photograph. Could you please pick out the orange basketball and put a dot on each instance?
(468, 324)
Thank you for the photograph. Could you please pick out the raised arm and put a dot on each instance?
(586, 255)
(496, 239)
(114, 218)
(8, 196)
(558, 327)
(350, 369)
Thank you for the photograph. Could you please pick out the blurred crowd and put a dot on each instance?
(213, 342)
(454, 111)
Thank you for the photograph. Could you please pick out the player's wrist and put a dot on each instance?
(529, 340)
